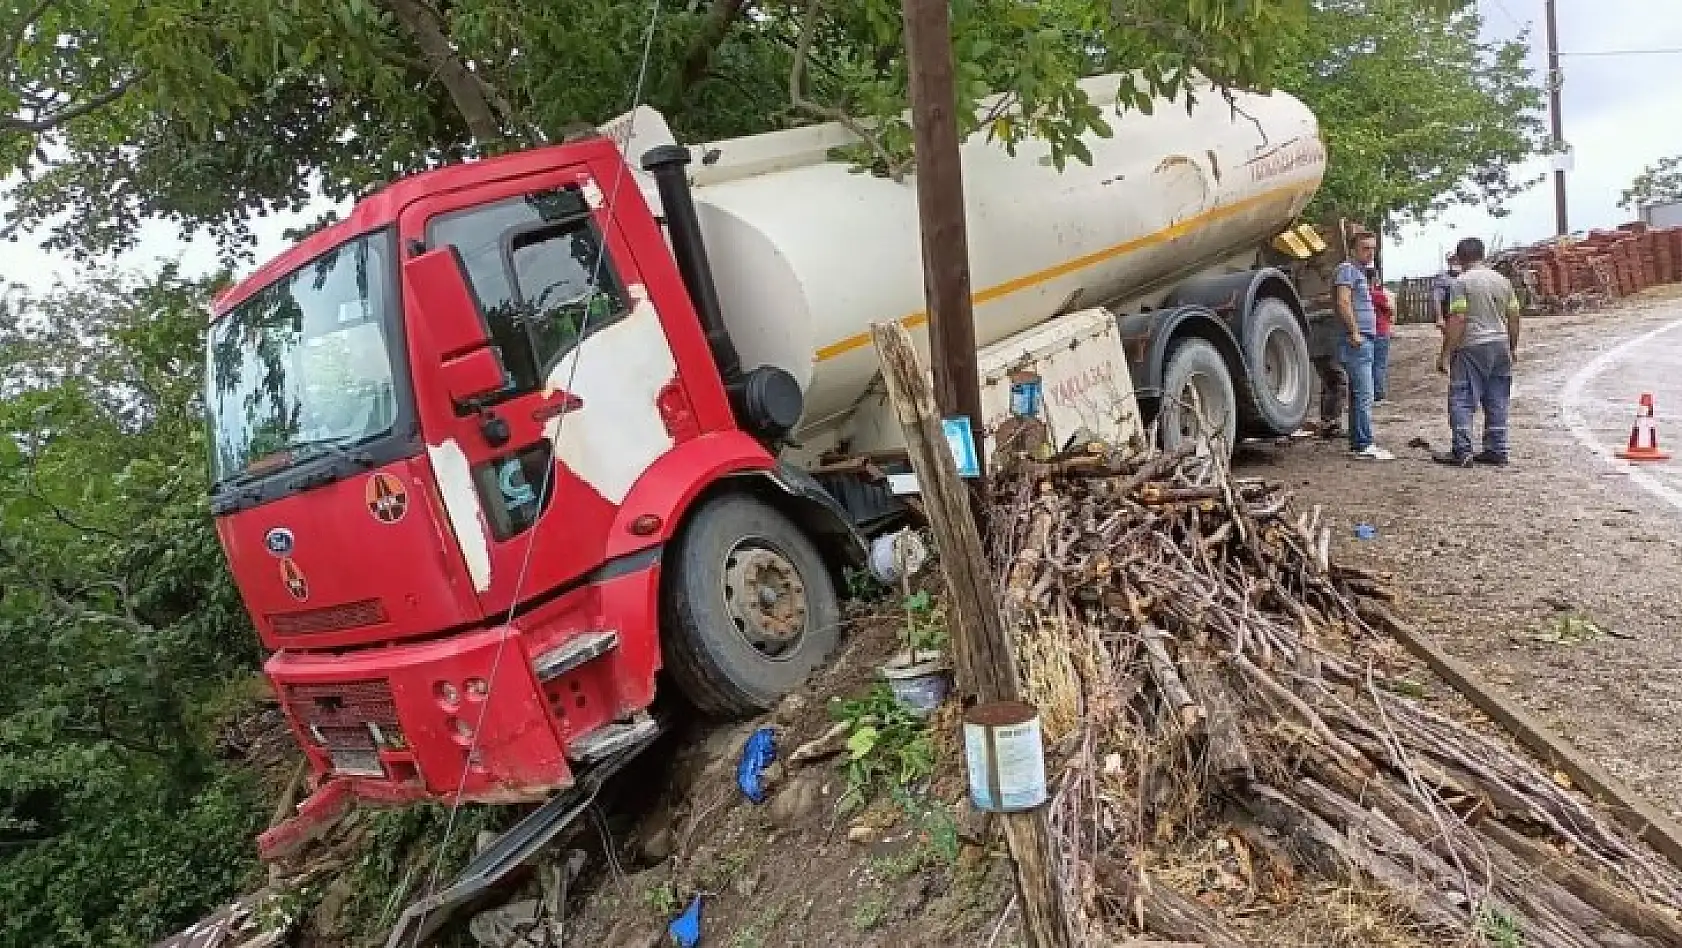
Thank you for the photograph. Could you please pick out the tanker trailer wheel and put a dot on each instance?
(1277, 356)
(1194, 365)
(750, 608)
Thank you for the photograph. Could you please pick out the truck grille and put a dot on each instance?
(349, 615)
(351, 719)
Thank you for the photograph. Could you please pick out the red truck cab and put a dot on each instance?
(473, 448)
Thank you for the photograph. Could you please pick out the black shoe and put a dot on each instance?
(1451, 459)
(1490, 458)
(1331, 432)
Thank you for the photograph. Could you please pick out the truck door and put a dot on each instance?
(547, 461)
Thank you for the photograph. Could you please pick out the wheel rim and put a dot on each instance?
(765, 597)
(1281, 370)
(1202, 390)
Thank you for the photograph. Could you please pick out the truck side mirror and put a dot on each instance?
(447, 316)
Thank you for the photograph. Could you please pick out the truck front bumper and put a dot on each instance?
(461, 718)
(485, 716)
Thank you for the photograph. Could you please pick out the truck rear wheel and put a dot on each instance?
(1196, 366)
(750, 608)
(1280, 370)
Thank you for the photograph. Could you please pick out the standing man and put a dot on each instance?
(1479, 343)
(1381, 345)
(1444, 286)
(1353, 296)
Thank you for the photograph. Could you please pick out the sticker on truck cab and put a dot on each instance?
(386, 498)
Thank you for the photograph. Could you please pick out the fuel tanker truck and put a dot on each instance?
(519, 439)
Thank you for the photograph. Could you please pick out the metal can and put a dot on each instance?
(1004, 749)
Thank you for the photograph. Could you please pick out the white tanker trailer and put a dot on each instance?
(1166, 228)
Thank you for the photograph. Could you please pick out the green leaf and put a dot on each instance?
(861, 742)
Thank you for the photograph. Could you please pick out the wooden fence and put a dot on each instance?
(1414, 301)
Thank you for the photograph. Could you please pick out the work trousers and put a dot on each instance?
(1480, 376)
(1334, 388)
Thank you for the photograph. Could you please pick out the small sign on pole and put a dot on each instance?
(961, 437)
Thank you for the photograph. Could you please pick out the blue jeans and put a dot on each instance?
(1358, 363)
(1381, 368)
(1480, 375)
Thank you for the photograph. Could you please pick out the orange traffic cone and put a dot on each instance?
(1644, 434)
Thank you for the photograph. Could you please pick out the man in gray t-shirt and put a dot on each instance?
(1479, 340)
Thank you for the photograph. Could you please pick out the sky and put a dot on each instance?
(1614, 116)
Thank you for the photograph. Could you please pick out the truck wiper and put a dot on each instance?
(335, 448)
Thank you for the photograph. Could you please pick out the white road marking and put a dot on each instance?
(1570, 406)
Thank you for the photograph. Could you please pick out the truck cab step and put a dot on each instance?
(576, 651)
(605, 742)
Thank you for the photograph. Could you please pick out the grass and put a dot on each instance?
(1571, 628)
(934, 840)
(662, 900)
(1498, 929)
(759, 930)
(870, 913)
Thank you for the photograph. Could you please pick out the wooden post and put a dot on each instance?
(980, 642)
(940, 206)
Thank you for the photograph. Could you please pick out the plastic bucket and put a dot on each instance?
(1005, 753)
(920, 687)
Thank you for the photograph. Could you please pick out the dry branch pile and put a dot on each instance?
(1202, 667)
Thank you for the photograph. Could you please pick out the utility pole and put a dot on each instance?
(1562, 220)
(940, 207)
(980, 640)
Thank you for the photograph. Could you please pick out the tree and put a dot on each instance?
(338, 96)
(119, 624)
(1419, 113)
(1659, 183)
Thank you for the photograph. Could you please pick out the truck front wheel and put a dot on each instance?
(1197, 375)
(750, 609)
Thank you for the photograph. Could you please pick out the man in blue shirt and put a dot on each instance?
(1352, 295)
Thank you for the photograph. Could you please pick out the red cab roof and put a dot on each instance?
(381, 209)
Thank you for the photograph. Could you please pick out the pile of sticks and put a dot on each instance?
(1199, 662)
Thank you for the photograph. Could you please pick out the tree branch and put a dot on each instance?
(473, 97)
(697, 62)
(57, 117)
(797, 97)
(30, 18)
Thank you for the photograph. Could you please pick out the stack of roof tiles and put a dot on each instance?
(1606, 263)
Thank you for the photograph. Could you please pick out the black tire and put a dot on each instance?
(1280, 369)
(1196, 363)
(710, 631)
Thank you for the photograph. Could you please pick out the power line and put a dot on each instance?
(1502, 6)
(1655, 51)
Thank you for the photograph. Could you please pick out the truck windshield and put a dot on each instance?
(304, 367)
